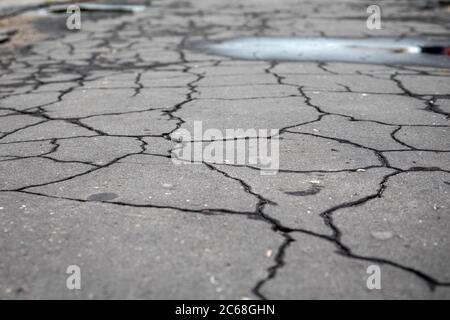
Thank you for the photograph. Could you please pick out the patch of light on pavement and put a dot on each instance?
(383, 50)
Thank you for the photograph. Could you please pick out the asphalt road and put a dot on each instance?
(87, 172)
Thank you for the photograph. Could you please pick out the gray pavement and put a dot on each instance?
(86, 173)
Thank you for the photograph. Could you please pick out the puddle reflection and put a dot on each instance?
(95, 7)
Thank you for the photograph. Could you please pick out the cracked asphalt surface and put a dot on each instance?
(86, 175)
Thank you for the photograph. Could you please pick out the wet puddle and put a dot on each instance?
(51, 20)
(94, 10)
(383, 50)
(309, 192)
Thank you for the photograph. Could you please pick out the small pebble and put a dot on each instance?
(382, 235)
